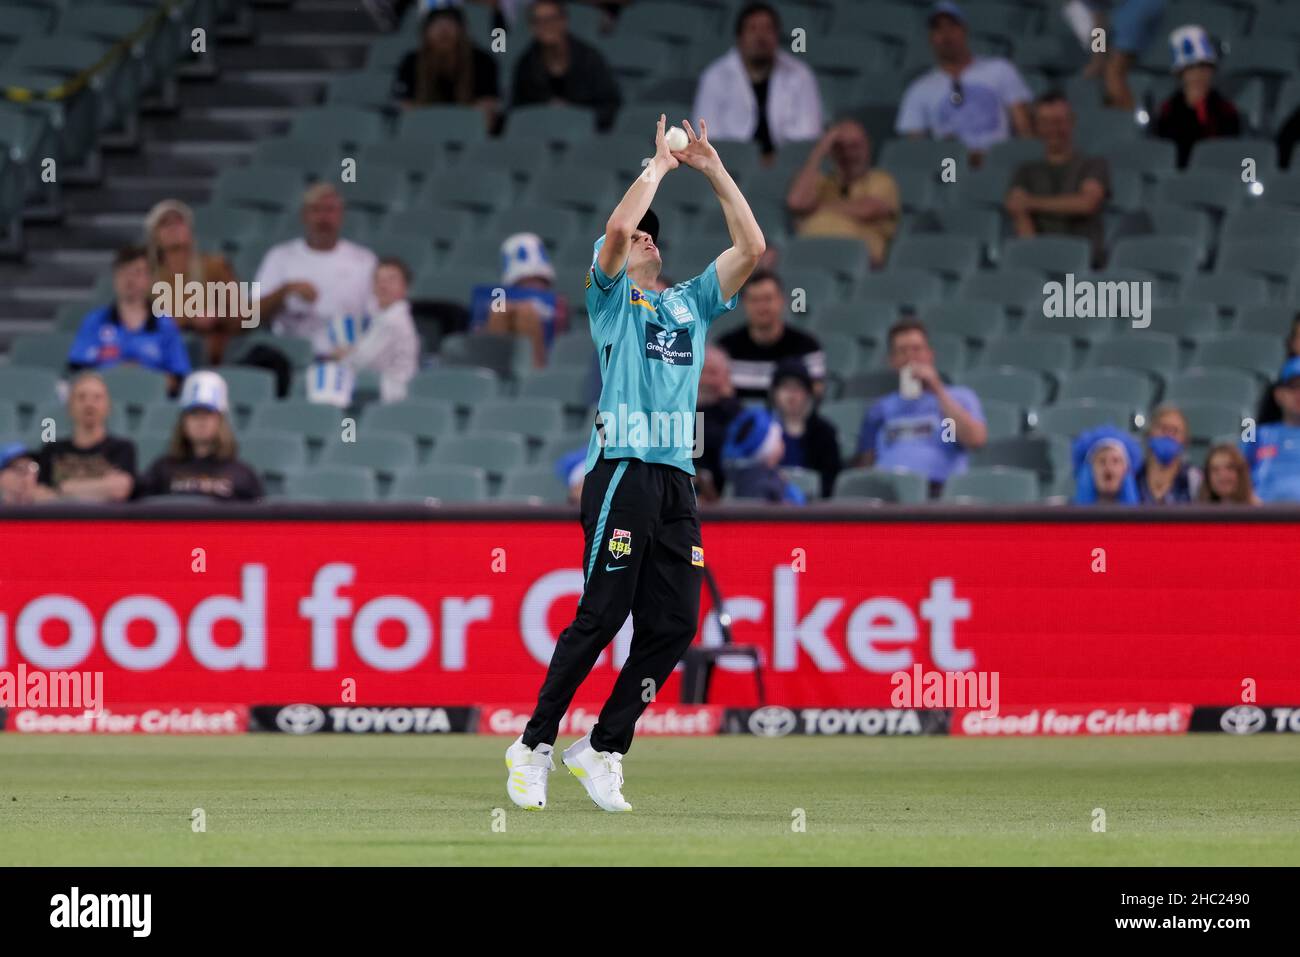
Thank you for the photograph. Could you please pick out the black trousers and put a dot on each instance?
(643, 555)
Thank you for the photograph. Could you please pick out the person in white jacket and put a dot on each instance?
(390, 345)
(756, 90)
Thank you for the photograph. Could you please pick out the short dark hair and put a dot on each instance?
(397, 264)
(129, 254)
(750, 9)
(762, 275)
(906, 324)
(1050, 97)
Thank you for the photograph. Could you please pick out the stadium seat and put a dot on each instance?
(334, 483)
(991, 485)
(319, 424)
(442, 127)
(273, 453)
(903, 488)
(546, 125)
(297, 349)
(864, 321)
(1226, 291)
(442, 483)
(1274, 259)
(1016, 290)
(975, 321)
(1131, 387)
(846, 415)
(1149, 157)
(1202, 188)
(1261, 355)
(870, 384)
(923, 154)
(366, 89)
(1069, 419)
(1206, 421)
(1145, 351)
(1253, 222)
(1049, 255)
(532, 417)
(1022, 388)
(501, 354)
(983, 225)
(807, 481)
(845, 258)
(1029, 452)
(463, 386)
(1171, 258)
(909, 287)
(1003, 419)
(979, 189)
(266, 188)
(386, 453)
(1188, 320)
(954, 257)
(47, 350)
(482, 191)
(1045, 352)
(28, 386)
(560, 383)
(133, 387)
(1229, 154)
(537, 482)
(495, 452)
(1272, 319)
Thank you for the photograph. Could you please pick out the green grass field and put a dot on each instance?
(341, 800)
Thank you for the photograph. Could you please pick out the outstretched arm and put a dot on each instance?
(747, 243)
(632, 207)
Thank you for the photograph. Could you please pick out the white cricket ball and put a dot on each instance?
(676, 138)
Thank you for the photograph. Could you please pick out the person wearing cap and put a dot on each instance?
(924, 426)
(390, 344)
(18, 471)
(1197, 111)
(643, 551)
(528, 305)
(175, 260)
(1105, 464)
(448, 68)
(758, 91)
(308, 281)
(978, 100)
(810, 441)
(766, 338)
(201, 457)
(558, 68)
(91, 465)
(751, 458)
(1165, 477)
(127, 330)
(1274, 456)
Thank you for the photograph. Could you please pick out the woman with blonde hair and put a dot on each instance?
(201, 458)
(175, 259)
(1227, 477)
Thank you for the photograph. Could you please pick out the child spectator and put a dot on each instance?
(810, 441)
(1227, 477)
(1105, 462)
(752, 452)
(390, 344)
(528, 305)
(1197, 111)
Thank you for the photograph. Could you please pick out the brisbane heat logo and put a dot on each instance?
(667, 345)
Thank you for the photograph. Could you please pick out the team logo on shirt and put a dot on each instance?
(620, 545)
(697, 556)
(677, 309)
(587, 282)
(638, 298)
(672, 346)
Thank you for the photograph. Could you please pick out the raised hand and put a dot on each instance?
(699, 153)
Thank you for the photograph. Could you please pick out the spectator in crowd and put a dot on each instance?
(18, 484)
(751, 455)
(766, 338)
(127, 330)
(1197, 111)
(756, 90)
(175, 260)
(1268, 410)
(924, 426)
(1274, 456)
(559, 68)
(1165, 476)
(977, 100)
(448, 68)
(1065, 192)
(717, 407)
(306, 282)
(201, 458)
(854, 200)
(1105, 462)
(811, 442)
(92, 465)
(1131, 26)
(1227, 477)
(528, 306)
(390, 344)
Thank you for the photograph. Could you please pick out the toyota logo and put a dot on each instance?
(772, 722)
(300, 719)
(1243, 719)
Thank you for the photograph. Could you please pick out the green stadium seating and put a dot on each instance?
(560, 385)
(387, 453)
(1016, 290)
(275, 453)
(538, 482)
(1226, 291)
(442, 483)
(1206, 420)
(442, 127)
(1069, 419)
(1188, 320)
(1155, 352)
(1133, 388)
(910, 287)
(904, 488)
(1261, 355)
(1003, 419)
(1273, 319)
(1022, 388)
(495, 452)
(335, 483)
(550, 125)
(534, 417)
(992, 485)
(319, 424)
(975, 321)
(1049, 255)
(954, 257)
(464, 386)
(1202, 188)
(28, 386)
(267, 188)
(1044, 352)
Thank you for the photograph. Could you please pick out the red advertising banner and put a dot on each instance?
(452, 612)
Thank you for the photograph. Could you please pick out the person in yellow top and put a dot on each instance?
(854, 200)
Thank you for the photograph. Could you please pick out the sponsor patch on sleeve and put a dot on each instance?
(587, 282)
(697, 556)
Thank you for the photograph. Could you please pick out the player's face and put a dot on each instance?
(390, 286)
(1054, 123)
(948, 40)
(1221, 473)
(88, 404)
(764, 304)
(131, 280)
(643, 253)
(910, 347)
(1108, 470)
(757, 40)
(202, 426)
(322, 221)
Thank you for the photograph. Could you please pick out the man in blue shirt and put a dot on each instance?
(643, 551)
(127, 330)
(925, 426)
(1274, 456)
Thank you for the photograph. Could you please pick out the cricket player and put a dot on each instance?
(643, 553)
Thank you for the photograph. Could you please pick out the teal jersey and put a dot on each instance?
(651, 351)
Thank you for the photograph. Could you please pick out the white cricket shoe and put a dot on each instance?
(601, 773)
(526, 784)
